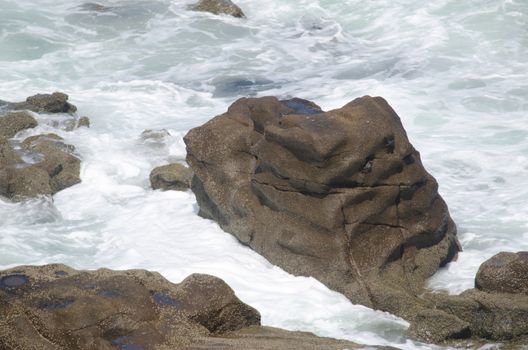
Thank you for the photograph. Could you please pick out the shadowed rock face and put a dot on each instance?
(56, 307)
(340, 195)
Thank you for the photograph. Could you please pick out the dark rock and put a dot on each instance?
(171, 177)
(435, 326)
(44, 309)
(218, 7)
(14, 122)
(56, 102)
(62, 167)
(504, 273)
(341, 196)
(300, 106)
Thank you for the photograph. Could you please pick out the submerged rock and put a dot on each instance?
(218, 7)
(340, 195)
(56, 307)
(171, 177)
(14, 122)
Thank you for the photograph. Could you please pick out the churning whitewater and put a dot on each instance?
(455, 71)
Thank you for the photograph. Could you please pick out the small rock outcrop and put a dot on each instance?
(54, 307)
(14, 122)
(504, 273)
(56, 102)
(497, 309)
(171, 177)
(54, 167)
(58, 161)
(41, 164)
(340, 195)
(217, 7)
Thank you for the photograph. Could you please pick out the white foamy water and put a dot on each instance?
(455, 71)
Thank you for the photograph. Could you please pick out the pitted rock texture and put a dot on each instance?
(57, 308)
(504, 273)
(56, 102)
(175, 177)
(218, 7)
(340, 195)
(14, 122)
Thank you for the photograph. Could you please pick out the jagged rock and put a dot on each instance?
(56, 307)
(171, 177)
(62, 167)
(435, 326)
(14, 122)
(56, 102)
(504, 273)
(218, 7)
(340, 195)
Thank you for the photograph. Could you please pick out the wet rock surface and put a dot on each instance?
(56, 307)
(218, 7)
(171, 177)
(56, 102)
(40, 164)
(340, 195)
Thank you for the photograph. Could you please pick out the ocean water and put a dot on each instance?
(455, 71)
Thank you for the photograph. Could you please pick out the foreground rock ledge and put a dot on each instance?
(340, 195)
(56, 307)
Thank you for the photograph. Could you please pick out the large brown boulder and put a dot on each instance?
(14, 122)
(340, 195)
(504, 273)
(57, 308)
(217, 7)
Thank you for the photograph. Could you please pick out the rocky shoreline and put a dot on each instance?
(340, 195)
